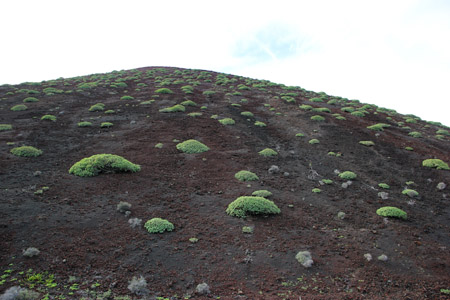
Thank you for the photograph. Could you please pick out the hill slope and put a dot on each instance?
(90, 247)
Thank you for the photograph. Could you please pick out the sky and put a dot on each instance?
(394, 54)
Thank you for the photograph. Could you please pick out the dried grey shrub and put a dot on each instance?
(368, 256)
(135, 222)
(30, 252)
(305, 258)
(19, 293)
(383, 195)
(123, 207)
(341, 215)
(202, 289)
(138, 286)
(274, 169)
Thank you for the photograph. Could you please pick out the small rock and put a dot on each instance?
(37, 173)
(305, 258)
(344, 185)
(440, 186)
(202, 289)
(368, 256)
(286, 174)
(382, 257)
(132, 122)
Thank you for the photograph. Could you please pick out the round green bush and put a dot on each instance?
(97, 107)
(84, 124)
(262, 193)
(164, 91)
(227, 121)
(247, 114)
(348, 175)
(251, 205)
(126, 97)
(106, 124)
(435, 163)
(317, 118)
(246, 176)
(314, 141)
(367, 143)
(158, 225)
(260, 124)
(19, 107)
(175, 108)
(410, 192)
(30, 99)
(384, 185)
(48, 118)
(390, 211)
(188, 103)
(26, 151)
(268, 152)
(102, 163)
(192, 146)
(5, 127)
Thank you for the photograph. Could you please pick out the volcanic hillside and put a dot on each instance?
(323, 166)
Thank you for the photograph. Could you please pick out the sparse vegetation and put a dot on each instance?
(4, 127)
(347, 175)
(415, 134)
(317, 118)
(188, 103)
(262, 193)
(384, 185)
(268, 152)
(247, 114)
(49, 118)
(84, 124)
(227, 121)
(97, 107)
(304, 258)
(164, 91)
(30, 99)
(260, 124)
(316, 190)
(367, 143)
(393, 212)
(435, 163)
(19, 107)
(251, 205)
(26, 151)
(314, 141)
(175, 108)
(192, 146)
(246, 176)
(106, 124)
(410, 192)
(126, 97)
(102, 163)
(158, 225)
(379, 127)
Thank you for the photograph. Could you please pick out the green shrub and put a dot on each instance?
(87, 85)
(409, 148)
(415, 134)
(251, 205)
(164, 91)
(327, 181)
(227, 121)
(314, 141)
(97, 107)
(315, 99)
(262, 193)
(147, 102)
(187, 89)
(26, 151)
(19, 107)
(322, 109)
(260, 124)
(192, 146)
(390, 211)
(348, 175)
(384, 185)
(367, 143)
(435, 163)
(316, 190)
(378, 127)
(358, 114)
(84, 124)
(102, 163)
(443, 132)
(246, 176)
(348, 109)
(411, 120)
(341, 118)
(158, 225)
(268, 152)
(49, 118)
(30, 99)
(51, 91)
(299, 134)
(127, 97)
(106, 124)
(175, 108)
(109, 111)
(247, 229)
(188, 103)
(209, 93)
(5, 127)
(411, 193)
(195, 114)
(247, 114)
(317, 118)
(305, 107)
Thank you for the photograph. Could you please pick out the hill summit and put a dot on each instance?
(191, 184)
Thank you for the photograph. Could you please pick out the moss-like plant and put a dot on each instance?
(262, 193)
(110, 111)
(247, 229)
(358, 114)
(164, 91)
(126, 97)
(251, 205)
(443, 132)
(305, 107)
(348, 109)
(316, 190)
(435, 163)
(317, 118)
(84, 124)
(314, 141)
(158, 225)
(379, 127)
(268, 152)
(106, 124)
(49, 118)
(188, 103)
(102, 163)
(246, 176)
(30, 99)
(410, 192)
(97, 107)
(384, 185)
(4, 127)
(209, 93)
(299, 134)
(195, 114)
(260, 124)
(322, 109)
(367, 143)
(393, 212)
(192, 146)
(26, 151)
(347, 175)
(175, 108)
(409, 148)
(415, 134)
(227, 121)
(327, 181)
(19, 107)
(247, 114)
(147, 102)
(316, 99)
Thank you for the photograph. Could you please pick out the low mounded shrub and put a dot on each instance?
(164, 91)
(106, 124)
(175, 108)
(30, 99)
(415, 134)
(384, 185)
(19, 107)
(314, 141)
(188, 103)
(317, 118)
(367, 143)
(262, 193)
(30, 252)
(260, 124)
(251, 205)
(246, 176)
(304, 258)
(192, 146)
(247, 114)
(393, 212)
(268, 152)
(347, 175)
(378, 127)
(84, 124)
(26, 151)
(102, 163)
(227, 121)
(158, 225)
(5, 127)
(410, 192)
(49, 118)
(435, 163)
(97, 107)
(126, 97)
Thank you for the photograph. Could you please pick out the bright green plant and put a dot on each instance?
(26, 151)
(209, 93)
(384, 185)
(358, 114)
(195, 114)
(367, 143)
(188, 103)
(314, 141)
(262, 193)
(5, 127)
(159, 145)
(106, 124)
(443, 132)
(268, 152)
(30, 99)
(158, 225)
(322, 109)
(227, 121)
(246, 176)
(415, 134)
(327, 181)
(109, 111)
(84, 124)
(188, 89)
(19, 107)
(305, 107)
(49, 118)
(175, 108)
(260, 124)
(316, 99)
(378, 127)
(164, 91)
(247, 114)
(348, 109)
(316, 190)
(147, 102)
(410, 192)
(192, 146)
(102, 163)
(251, 205)
(126, 97)
(348, 175)
(393, 212)
(409, 148)
(299, 134)
(435, 163)
(247, 229)
(97, 107)
(317, 118)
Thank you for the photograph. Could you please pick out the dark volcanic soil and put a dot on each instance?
(80, 233)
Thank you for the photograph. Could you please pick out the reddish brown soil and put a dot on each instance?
(76, 226)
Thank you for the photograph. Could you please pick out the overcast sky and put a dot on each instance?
(394, 54)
